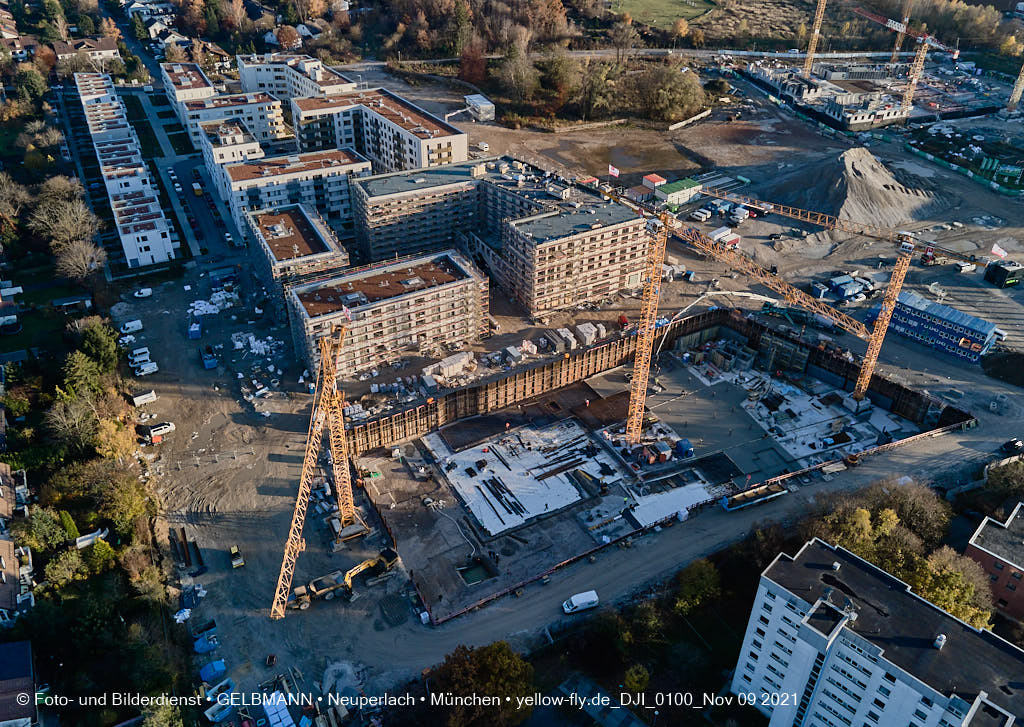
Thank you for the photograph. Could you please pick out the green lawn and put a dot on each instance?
(158, 99)
(133, 105)
(662, 13)
(147, 139)
(182, 143)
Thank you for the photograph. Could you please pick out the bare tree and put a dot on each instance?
(73, 422)
(49, 137)
(13, 197)
(623, 36)
(61, 188)
(288, 37)
(63, 222)
(79, 259)
(60, 26)
(174, 53)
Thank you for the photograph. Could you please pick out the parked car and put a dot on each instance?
(131, 326)
(161, 429)
(146, 369)
(143, 292)
(581, 602)
(1014, 446)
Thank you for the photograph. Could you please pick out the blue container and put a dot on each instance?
(195, 330)
(684, 449)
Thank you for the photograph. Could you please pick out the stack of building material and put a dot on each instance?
(587, 333)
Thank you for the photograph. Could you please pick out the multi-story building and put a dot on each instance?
(16, 583)
(319, 180)
(387, 129)
(224, 142)
(298, 247)
(391, 310)
(999, 548)
(288, 75)
(144, 232)
(547, 242)
(185, 82)
(942, 327)
(834, 641)
(260, 112)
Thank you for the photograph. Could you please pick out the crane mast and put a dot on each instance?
(1018, 87)
(328, 401)
(645, 332)
(812, 44)
(901, 33)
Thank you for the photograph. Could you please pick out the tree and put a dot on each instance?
(163, 716)
(67, 566)
(472, 64)
(696, 584)
(62, 221)
(697, 38)
(560, 72)
(82, 375)
(68, 523)
(87, 26)
(801, 34)
(78, 259)
(72, 422)
(623, 37)
(596, 88)
(494, 670)
(41, 531)
(717, 87)
(288, 37)
(194, 18)
(636, 678)
(60, 27)
(680, 30)
(123, 500)
(668, 93)
(99, 556)
(48, 138)
(60, 188)
(518, 75)
(174, 54)
(109, 29)
(943, 579)
(13, 198)
(139, 28)
(29, 84)
(99, 342)
(114, 440)
(236, 16)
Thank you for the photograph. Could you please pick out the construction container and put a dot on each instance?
(570, 340)
(684, 449)
(429, 383)
(601, 331)
(731, 240)
(718, 234)
(512, 355)
(663, 450)
(1004, 274)
(144, 398)
(208, 358)
(819, 290)
(195, 330)
(556, 341)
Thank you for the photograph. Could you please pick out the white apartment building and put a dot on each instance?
(390, 310)
(261, 113)
(185, 82)
(319, 180)
(833, 641)
(391, 132)
(290, 75)
(144, 232)
(224, 142)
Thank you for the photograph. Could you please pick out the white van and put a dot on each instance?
(131, 326)
(138, 356)
(581, 602)
(146, 369)
(483, 146)
(701, 215)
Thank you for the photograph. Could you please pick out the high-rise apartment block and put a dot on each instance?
(834, 641)
(387, 129)
(185, 82)
(999, 548)
(319, 180)
(260, 112)
(144, 232)
(407, 307)
(297, 246)
(549, 243)
(288, 75)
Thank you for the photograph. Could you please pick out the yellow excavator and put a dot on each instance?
(339, 583)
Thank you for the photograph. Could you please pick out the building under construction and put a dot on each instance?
(408, 307)
(550, 243)
(297, 247)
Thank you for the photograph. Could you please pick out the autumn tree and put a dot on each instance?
(236, 16)
(194, 18)
(109, 29)
(72, 422)
(494, 670)
(472, 63)
(596, 89)
(668, 93)
(65, 567)
(636, 678)
(287, 37)
(680, 30)
(697, 38)
(518, 75)
(64, 222)
(696, 584)
(99, 556)
(174, 54)
(114, 440)
(623, 37)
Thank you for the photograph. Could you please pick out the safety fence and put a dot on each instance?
(995, 186)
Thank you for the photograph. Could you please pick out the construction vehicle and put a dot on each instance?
(924, 42)
(237, 561)
(328, 402)
(338, 582)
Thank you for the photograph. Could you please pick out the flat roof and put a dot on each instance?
(678, 185)
(905, 626)
(292, 164)
(219, 131)
(384, 103)
(1005, 540)
(375, 283)
(556, 225)
(946, 313)
(229, 100)
(294, 61)
(289, 234)
(186, 76)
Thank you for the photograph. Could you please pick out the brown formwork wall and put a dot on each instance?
(506, 390)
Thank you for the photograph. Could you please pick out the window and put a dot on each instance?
(763, 620)
(920, 714)
(1016, 575)
(884, 692)
(759, 631)
(872, 716)
(1011, 586)
(746, 679)
(890, 678)
(879, 703)
(997, 565)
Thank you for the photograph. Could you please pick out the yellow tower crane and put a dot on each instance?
(812, 44)
(328, 402)
(1018, 87)
(901, 33)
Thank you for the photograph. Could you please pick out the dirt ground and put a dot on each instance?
(228, 474)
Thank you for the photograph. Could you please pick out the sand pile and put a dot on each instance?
(856, 186)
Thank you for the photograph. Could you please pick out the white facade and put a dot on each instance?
(289, 75)
(260, 112)
(223, 142)
(185, 82)
(833, 641)
(393, 133)
(144, 232)
(319, 180)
